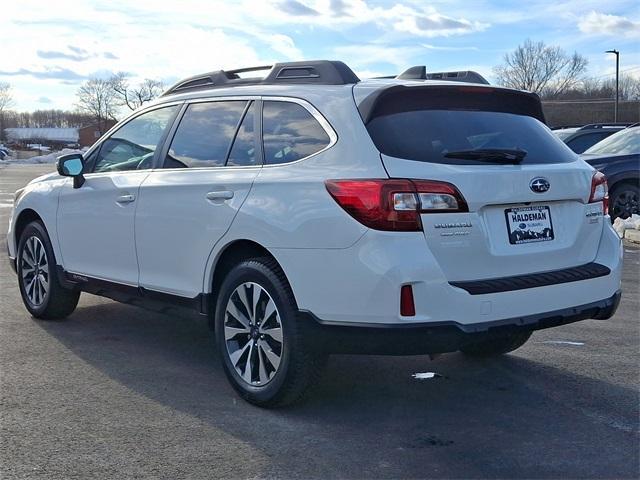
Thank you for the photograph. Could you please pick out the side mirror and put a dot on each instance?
(71, 166)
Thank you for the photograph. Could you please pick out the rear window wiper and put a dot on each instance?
(502, 155)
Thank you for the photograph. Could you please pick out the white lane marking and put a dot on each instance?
(563, 342)
(425, 375)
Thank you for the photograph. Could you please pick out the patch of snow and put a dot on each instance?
(620, 225)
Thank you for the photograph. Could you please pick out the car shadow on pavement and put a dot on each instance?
(368, 416)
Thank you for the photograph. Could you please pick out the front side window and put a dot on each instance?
(205, 134)
(132, 146)
(290, 133)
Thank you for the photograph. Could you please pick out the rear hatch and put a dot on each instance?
(526, 214)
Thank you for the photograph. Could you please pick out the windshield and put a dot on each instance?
(625, 142)
(429, 135)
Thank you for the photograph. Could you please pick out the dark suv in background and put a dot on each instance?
(618, 157)
(580, 138)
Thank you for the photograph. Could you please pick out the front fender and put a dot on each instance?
(41, 198)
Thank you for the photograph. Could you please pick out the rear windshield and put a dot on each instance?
(427, 130)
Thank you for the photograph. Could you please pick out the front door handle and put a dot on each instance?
(126, 199)
(220, 195)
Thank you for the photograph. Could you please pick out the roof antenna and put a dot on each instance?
(419, 72)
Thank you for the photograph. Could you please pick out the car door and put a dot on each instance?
(96, 221)
(185, 207)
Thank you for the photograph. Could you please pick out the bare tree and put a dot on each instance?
(544, 69)
(97, 98)
(6, 102)
(136, 96)
(6, 98)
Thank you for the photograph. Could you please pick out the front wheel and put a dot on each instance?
(42, 293)
(497, 345)
(266, 352)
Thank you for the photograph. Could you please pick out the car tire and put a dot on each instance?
(266, 351)
(624, 200)
(42, 293)
(497, 345)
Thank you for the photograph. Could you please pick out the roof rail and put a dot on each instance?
(419, 72)
(606, 124)
(568, 125)
(320, 72)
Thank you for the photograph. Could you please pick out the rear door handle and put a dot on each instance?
(220, 195)
(126, 198)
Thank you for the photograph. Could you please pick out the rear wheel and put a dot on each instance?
(42, 293)
(624, 201)
(497, 345)
(265, 353)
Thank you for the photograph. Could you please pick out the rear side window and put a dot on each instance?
(204, 135)
(290, 132)
(426, 129)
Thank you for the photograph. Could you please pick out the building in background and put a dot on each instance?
(55, 138)
(89, 134)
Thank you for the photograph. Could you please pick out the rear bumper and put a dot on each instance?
(443, 337)
(362, 283)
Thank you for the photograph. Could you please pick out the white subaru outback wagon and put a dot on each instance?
(307, 212)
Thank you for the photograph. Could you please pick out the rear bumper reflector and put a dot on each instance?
(521, 282)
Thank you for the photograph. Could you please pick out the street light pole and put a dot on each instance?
(617, 54)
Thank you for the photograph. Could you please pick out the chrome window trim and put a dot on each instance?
(324, 123)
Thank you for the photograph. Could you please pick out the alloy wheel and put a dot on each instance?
(253, 334)
(625, 204)
(34, 269)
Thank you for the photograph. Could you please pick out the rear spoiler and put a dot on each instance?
(399, 98)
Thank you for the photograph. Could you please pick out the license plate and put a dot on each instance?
(529, 224)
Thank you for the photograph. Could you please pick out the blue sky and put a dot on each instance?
(47, 49)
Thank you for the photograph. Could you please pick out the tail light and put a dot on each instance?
(395, 204)
(600, 191)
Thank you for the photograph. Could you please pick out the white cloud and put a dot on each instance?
(597, 23)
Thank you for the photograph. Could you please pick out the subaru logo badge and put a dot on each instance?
(539, 185)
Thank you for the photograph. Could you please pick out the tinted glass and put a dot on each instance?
(132, 146)
(624, 142)
(427, 135)
(205, 134)
(581, 143)
(243, 151)
(290, 132)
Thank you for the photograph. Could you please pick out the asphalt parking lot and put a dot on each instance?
(120, 392)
